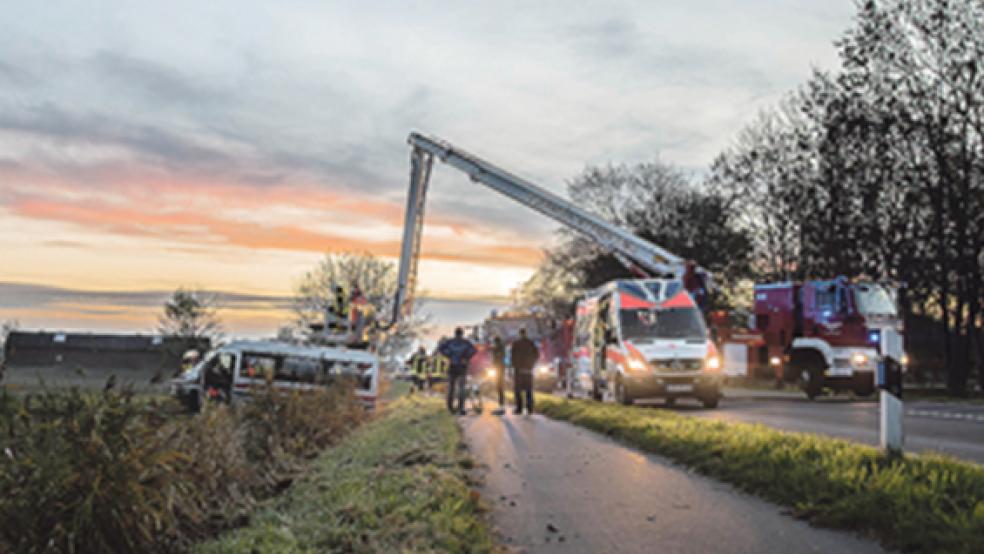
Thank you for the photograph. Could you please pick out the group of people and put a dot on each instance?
(426, 369)
(456, 353)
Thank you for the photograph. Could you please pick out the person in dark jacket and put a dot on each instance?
(499, 364)
(524, 355)
(459, 352)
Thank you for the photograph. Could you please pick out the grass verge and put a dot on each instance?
(396, 485)
(923, 503)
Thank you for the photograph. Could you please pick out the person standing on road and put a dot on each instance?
(499, 364)
(418, 369)
(459, 352)
(524, 355)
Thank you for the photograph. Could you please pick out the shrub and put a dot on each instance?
(111, 472)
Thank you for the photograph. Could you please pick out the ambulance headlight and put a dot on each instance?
(490, 373)
(543, 370)
(775, 361)
(859, 359)
(905, 360)
(713, 363)
(637, 365)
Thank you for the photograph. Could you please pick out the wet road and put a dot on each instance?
(554, 487)
(951, 428)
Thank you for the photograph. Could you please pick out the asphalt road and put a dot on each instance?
(951, 428)
(554, 487)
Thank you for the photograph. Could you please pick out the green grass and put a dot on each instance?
(924, 503)
(396, 485)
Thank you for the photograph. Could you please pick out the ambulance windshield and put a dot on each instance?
(672, 323)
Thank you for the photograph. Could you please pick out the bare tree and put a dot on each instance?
(551, 289)
(376, 279)
(190, 314)
(917, 65)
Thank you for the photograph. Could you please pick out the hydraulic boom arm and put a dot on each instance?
(631, 250)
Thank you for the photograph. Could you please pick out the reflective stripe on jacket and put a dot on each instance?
(439, 365)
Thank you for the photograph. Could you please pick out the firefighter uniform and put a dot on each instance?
(438, 368)
(340, 309)
(419, 363)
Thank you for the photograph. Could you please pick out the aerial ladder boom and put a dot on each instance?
(631, 250)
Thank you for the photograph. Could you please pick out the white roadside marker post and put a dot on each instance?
(889, 381)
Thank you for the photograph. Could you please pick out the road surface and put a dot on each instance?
(951, 428)
(554, 487)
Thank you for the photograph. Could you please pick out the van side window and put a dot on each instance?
(358, 374)
(226, 362)
(299, 370)
(260, 366)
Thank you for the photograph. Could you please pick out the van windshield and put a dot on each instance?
(673, 323)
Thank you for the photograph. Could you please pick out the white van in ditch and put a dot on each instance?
(230, 372)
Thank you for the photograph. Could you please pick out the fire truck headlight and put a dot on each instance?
(490, 372)
(775, 361)
(713, 363)
(542, 369)
(905, 360)
(859, 359)
(637, 365)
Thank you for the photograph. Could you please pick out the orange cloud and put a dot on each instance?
(145, 220)
(118, 199)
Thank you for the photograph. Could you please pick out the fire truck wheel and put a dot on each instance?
(812, 382)
(864, 391)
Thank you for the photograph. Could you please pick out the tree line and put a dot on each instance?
(875, 168)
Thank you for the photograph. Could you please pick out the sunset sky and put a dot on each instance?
(227, 145)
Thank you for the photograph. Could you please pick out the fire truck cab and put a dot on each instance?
(828, 333)
(644, 338)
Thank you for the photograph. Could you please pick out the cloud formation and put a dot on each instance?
(205, 129)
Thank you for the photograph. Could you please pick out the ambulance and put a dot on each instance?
(642, 339)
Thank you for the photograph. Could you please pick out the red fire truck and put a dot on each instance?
(827, 333)
(553, 339)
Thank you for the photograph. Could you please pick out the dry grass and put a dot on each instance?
(113, 472)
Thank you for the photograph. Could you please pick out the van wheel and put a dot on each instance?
(622, 394)
(194, 403)
(710, 402)
(670, 401)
